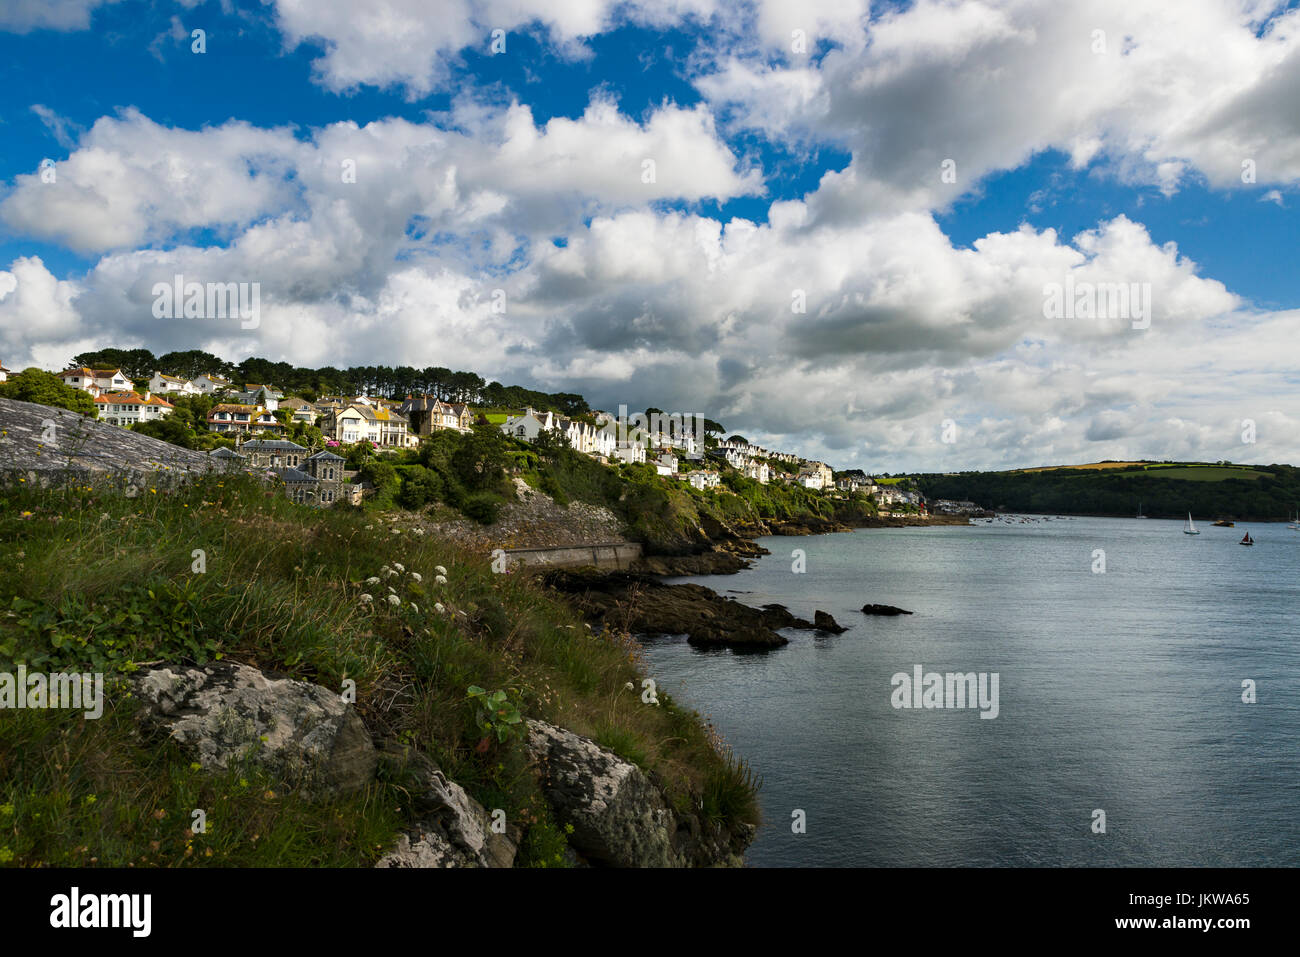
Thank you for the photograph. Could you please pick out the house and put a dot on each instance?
(666, 464)
(96, 381)
(531, 424)
(300, 410)
(318, 480)
(227, 459)
(703, 478)
(363, 423)
(256, 387)
(128, 408)
(236, 417)
(629, 452)
(4, 373)
(758, 471)
(427, 414)
(273, 453)
(263, 396)
(168, 383)
(811, 480)
(209, 383)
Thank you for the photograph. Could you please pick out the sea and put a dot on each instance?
(1147, 709)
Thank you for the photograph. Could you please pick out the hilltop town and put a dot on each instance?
(317, 444)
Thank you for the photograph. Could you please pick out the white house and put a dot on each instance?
(529, 425)
(128, 408)
(96, 381)
(4, 373)
(703, 478)
(666, 464)
(629, 452)
(162, 384)
(209, 383)
(758, 471)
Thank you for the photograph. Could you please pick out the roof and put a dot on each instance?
(295, 475)
(232, 407)
(325, 457)
(221, 452)
(131, 398)
(88, 373)
(169, 378)
(272, 445)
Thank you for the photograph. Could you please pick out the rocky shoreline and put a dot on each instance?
(639, 603)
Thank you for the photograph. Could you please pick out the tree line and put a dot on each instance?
(393, 382)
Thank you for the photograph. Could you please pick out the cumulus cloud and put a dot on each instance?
(846, 325)
(23, 16)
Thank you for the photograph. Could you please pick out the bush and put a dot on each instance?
(482, 507)
(420, 486)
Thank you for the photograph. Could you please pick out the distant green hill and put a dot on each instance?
(1162, 489)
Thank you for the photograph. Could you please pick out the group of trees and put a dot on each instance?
(393, 382)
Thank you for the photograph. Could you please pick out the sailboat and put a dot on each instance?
(1190, 528)
(1247, 540)
(1140, 515)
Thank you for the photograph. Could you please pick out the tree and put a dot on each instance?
(169, 429)
(136, 363)
(45, 388)
(481, 459)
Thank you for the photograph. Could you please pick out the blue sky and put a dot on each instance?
(779, 170)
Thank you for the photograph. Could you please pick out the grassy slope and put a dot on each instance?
(93, 580)
(664, 513)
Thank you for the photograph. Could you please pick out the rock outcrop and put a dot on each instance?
(45, 446)
(619, 818)
(823, 621)
(225, 713)
(454, 829)
(642, 604)
(883, 610)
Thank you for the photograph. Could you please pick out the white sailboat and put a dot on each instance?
(1190, 528)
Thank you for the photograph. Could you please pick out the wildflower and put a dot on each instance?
(629, 687)
(415, 576)
(394, 600)
(437, 606)
(439, 569)
(415, 608)
(440, 580)
(366, 599)
(400, 568)
(372, 580)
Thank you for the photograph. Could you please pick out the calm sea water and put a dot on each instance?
(1119, 691)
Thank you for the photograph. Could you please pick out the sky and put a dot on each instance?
(904, 236)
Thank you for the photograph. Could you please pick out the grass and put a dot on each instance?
(91, 578)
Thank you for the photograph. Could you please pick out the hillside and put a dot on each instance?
(1161, 489)
(212, 585)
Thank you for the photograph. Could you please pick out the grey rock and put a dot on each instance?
(619, 817)
(454, 830)
(303, 733)
(48, 447)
